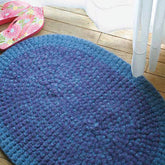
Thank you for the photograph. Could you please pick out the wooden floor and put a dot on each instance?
(75, 22)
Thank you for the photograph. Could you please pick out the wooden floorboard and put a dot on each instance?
(70, 18)
(124, 45)
(71, 10)
(68, 29)
(2, 155)
(128, 34)
(160, 69)
(157, 81)
(162, 94)
(75, 22)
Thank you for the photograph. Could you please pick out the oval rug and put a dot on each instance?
(64, 100)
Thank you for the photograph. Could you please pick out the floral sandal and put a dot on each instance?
(22, 27)
(11, 10)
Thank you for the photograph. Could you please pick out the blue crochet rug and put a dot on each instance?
(66, 101)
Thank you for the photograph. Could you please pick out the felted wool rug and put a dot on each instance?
(65, 100)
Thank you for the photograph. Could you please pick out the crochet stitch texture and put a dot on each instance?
(65, 100)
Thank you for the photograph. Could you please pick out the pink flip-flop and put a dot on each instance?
(25, 26)
(11, 10)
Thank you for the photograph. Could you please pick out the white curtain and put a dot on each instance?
(111, 15)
